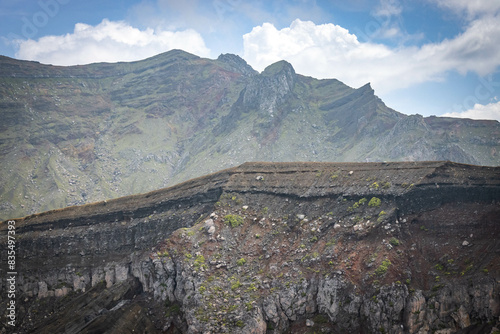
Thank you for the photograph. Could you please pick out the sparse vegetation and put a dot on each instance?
(375, 202)
(331, 242)
(382, 269)
(381, 216)
(199, 261)
(357, 204)
(394, 242)
(320, 319)
(172, 309)
(235, 285)
(233, 220)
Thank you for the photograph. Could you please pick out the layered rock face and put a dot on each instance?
(271, 248)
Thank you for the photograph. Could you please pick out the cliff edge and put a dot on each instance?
(399, 247)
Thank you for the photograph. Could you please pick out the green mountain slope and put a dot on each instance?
(72, 135)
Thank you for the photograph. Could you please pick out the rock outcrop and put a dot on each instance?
(271, 248)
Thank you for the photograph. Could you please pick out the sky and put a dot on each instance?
(427, 57)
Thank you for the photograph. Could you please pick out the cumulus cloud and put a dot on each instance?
(108, 41)
(489, 111)
(330, 51)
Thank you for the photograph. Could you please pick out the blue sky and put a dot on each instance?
(431, 57)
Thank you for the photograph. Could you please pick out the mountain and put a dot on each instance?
(80, 134)
(399, 247)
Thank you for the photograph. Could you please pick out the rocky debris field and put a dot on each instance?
(273, 248)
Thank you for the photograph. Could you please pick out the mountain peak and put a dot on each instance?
(237, 64)
(271, 87)
(278, 67)
(366, 88)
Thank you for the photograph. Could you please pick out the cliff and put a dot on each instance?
(401, 247)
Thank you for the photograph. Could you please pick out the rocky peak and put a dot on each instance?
(237, 64)
(366, 88)
(269, 89)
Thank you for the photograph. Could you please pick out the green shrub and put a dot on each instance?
(357, 204)
(381, 216)
(241, 262)
(375, 202)
(382, 269)
(233, 220)
(199, 261)
(394, 242)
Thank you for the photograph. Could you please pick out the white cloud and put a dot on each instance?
(472, 8)
(388, 14)
(489, 111)
(108, 41)
(330, 51)
(388, 8)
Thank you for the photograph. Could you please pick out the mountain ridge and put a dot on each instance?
(73, 135)
(221, 179)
